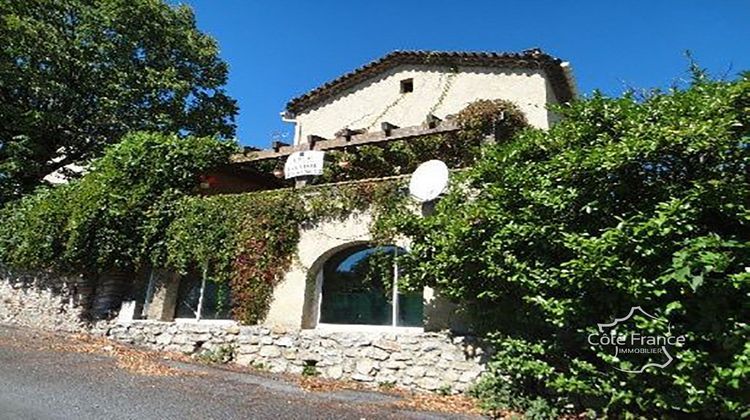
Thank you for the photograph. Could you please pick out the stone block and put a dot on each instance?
(415, 371)
(402, 356)
(278, 367)
(377, 354)
(270, 351)
(387, 345)
(249, 339)
(365, 366)
(164, 339)
(334, 372)
(245, 359)
(285, 341)
(248, 349)
(429, 383)
(392, 364)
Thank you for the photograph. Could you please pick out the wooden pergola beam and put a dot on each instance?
(393, 134)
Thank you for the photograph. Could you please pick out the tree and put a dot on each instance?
(76, 75)
(623, 203)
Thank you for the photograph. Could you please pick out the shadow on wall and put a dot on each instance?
(440, 313)
(57, 301)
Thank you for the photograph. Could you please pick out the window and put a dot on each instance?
(360, 286)
(407, 85)
(202, 299)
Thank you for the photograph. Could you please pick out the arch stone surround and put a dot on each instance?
(295, 299)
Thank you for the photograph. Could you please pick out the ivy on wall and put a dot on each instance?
(136, 208)
(480, 122)
(249, 240)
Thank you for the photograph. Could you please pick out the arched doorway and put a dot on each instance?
(359, 286)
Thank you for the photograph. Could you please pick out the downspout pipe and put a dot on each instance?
(290, 117)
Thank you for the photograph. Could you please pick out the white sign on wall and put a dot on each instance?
(304, 163)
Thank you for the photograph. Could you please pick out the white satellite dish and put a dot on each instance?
(429, 181)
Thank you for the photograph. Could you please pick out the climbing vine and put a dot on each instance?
(248, 241)
(479, 121)
(135, 209)
(266, 240)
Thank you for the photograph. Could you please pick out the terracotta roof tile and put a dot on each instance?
(561, 81)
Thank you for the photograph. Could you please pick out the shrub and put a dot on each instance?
(624, 203)
(499, 118)
(219, 356)
(115, 216)
(32, 232)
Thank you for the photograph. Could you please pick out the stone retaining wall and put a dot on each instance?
(41, 300)
(419, 361)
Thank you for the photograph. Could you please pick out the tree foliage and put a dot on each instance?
(76, 75)
(624, 203)
(137, 208)
(115, 216)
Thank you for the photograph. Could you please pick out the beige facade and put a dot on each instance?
(296, 300)
(402, 88)
(437, 90)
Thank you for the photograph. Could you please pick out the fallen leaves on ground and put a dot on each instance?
(413, 401)
(129, 358)
(440, 403)
(318, 384)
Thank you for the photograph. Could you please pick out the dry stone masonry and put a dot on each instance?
(428, 361)
(419, 361)
(41, 300)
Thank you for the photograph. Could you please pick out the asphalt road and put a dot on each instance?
(39, 382)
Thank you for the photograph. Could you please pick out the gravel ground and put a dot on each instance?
(39, 381)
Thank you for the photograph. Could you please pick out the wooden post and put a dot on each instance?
(358, 138)
(387, 127)
(312, 139)
(347, 134)
(432, 121)
(276, 145)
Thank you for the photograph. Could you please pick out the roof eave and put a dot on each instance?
(557, 70)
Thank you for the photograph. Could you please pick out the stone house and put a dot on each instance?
(400, 89)
(405, 86)
(324, 312)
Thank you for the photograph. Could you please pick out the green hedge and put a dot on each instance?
(137, 208)
(115, 216)
(627, 202)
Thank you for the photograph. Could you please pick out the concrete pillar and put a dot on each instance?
(164, 297)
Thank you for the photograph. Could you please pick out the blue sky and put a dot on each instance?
(280, 49)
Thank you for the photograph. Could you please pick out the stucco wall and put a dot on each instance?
(368, 104)
(295, 301)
